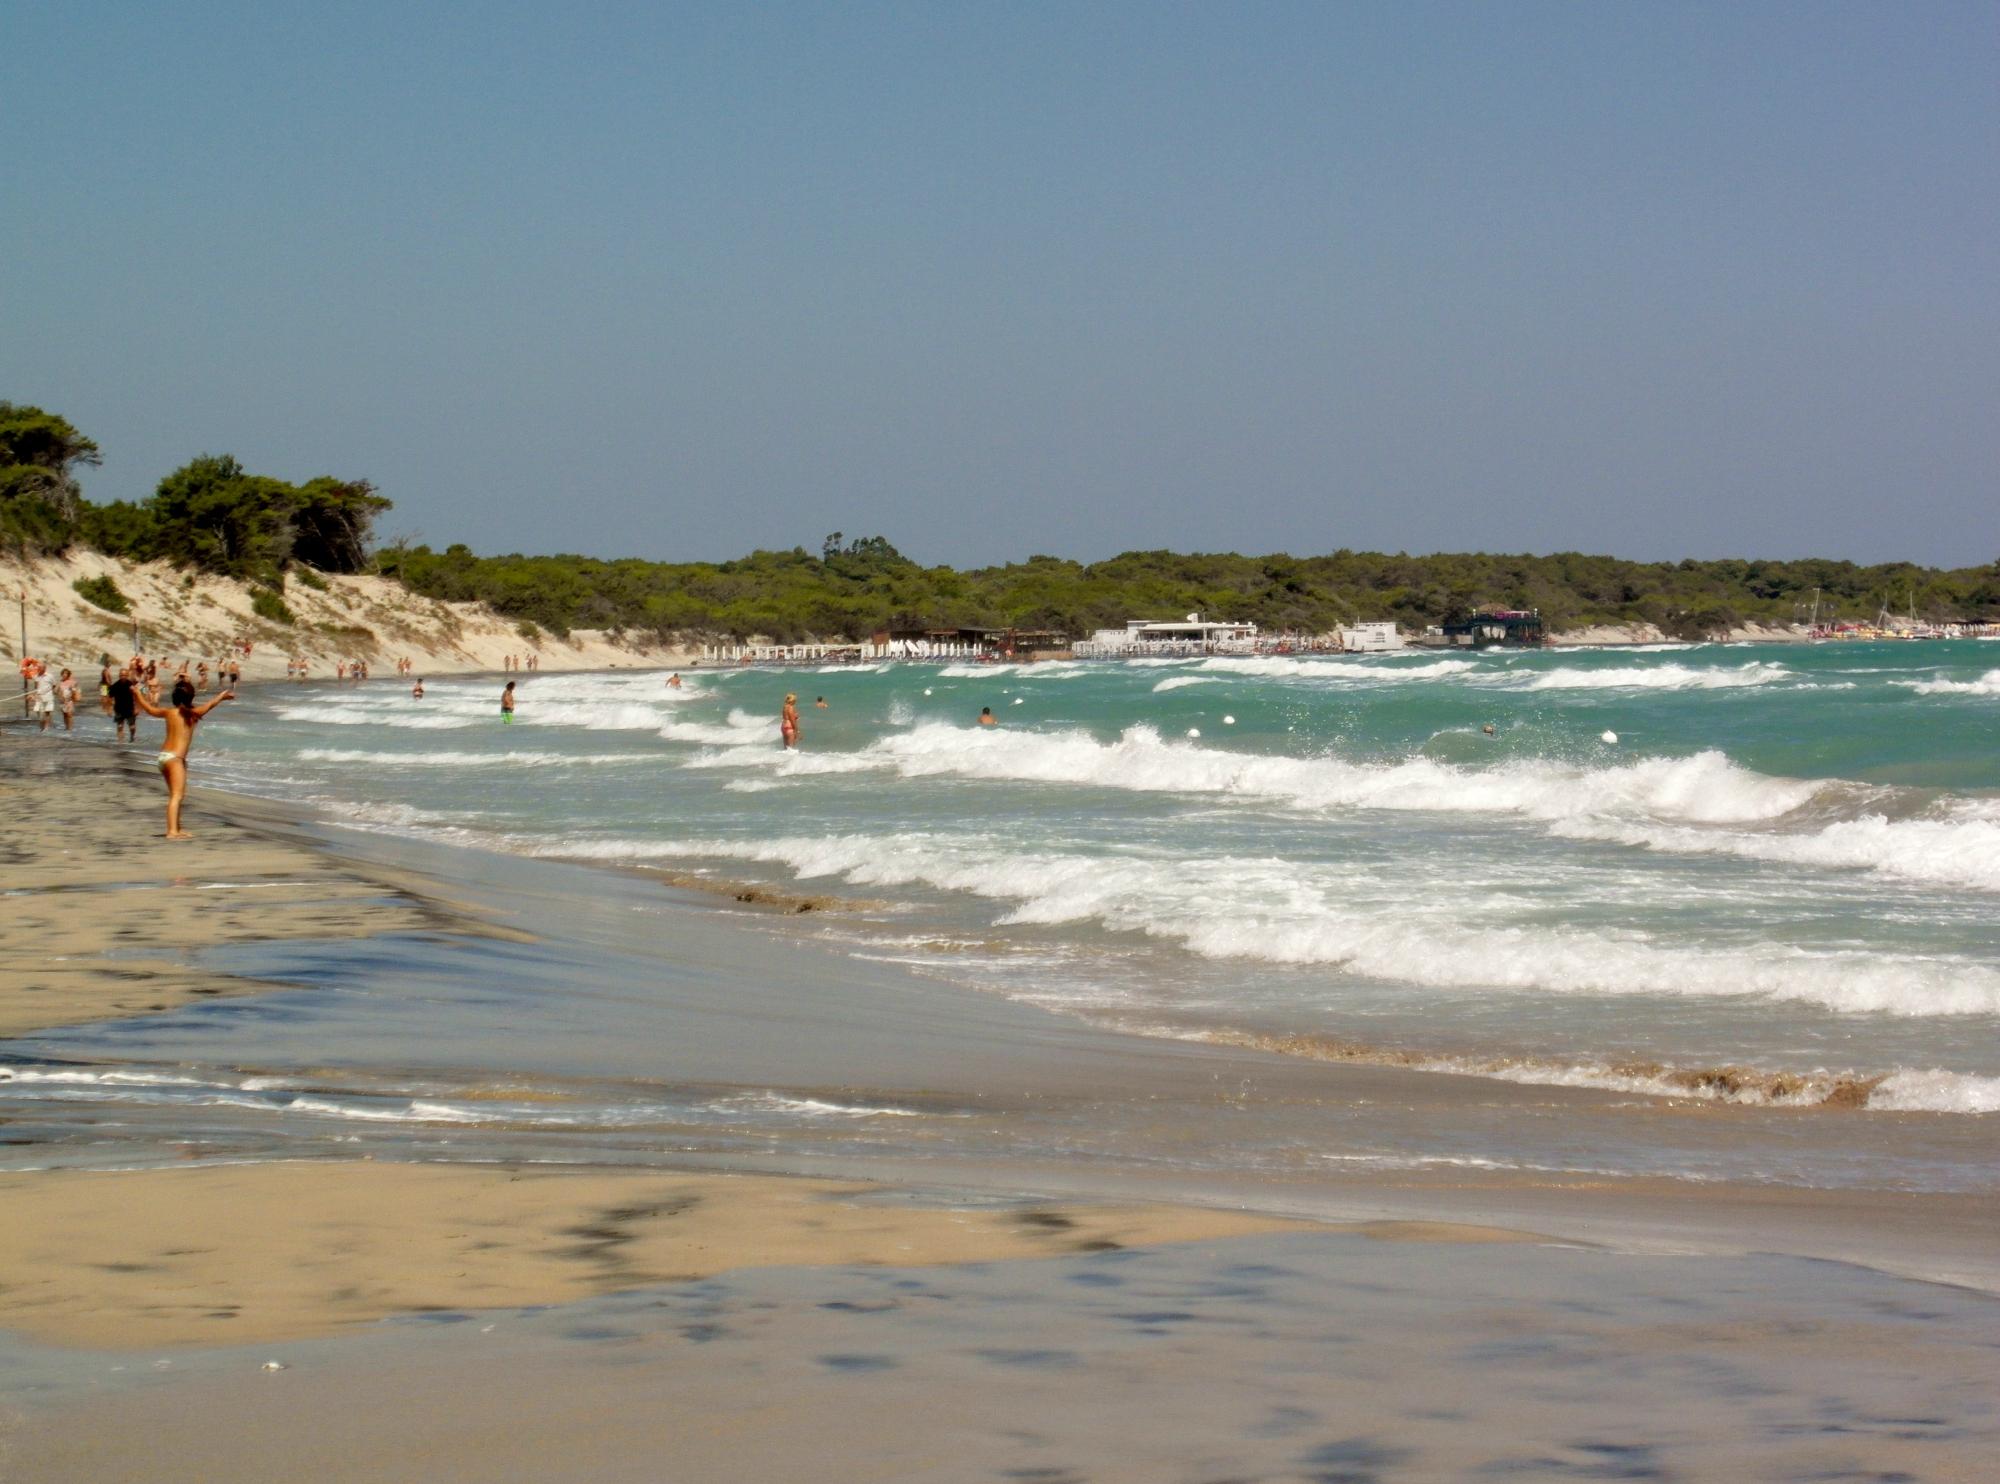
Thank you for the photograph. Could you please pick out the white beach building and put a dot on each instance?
(1149, 636)
(1370, 638)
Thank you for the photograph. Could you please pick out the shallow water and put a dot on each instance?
(1559, 916)
(1788, 859)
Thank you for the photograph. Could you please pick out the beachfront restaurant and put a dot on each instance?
(1150, 636)
(969, 642)
(1509, 628)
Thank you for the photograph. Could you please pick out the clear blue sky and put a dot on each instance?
(997, 279)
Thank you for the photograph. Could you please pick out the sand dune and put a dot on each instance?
(179, 615)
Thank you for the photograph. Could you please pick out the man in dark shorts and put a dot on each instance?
(125, 705)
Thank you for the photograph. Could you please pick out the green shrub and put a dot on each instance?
(310, 578)
(267, 604)
(530, 630)
(103, 592)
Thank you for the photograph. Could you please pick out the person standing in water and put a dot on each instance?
(417, 690)
(986, 718)
(125, 705)
(181, 718)
(507, 705)
(788, 721)
(44, 701)
(66, 693)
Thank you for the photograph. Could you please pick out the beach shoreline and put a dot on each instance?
(138, 1298)
(306, 880)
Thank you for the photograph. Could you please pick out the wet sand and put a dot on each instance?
(1305, 1357)
(144, 1259)
(102, 915)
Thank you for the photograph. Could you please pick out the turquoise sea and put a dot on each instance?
(1756, 878)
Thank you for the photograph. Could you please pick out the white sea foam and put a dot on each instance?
(1986, 685)
(1701, 804)
(709, 734)
(1706, 787)
(1950, 846)
(1364, 671)
(975, 672)
(1904, 1090)
(773, 1102)
(1273, 911)
(437, 721)
(595, 716)
(1181, 682)
(68, 1077)
(467, 759)
(414, 1112)
(1933, 1091)
(1645, 677)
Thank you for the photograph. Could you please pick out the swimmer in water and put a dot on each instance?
(507, 705)
(417, 691)
(986, 717)
(181, 718)
(788, 721)
(820, 704)
(674, 681)
(1488, 729)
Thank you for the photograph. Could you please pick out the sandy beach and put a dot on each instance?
(175, 615)
(805, 1306)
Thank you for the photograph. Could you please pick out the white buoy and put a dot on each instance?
(274, 1365)
(1611, 737)
(1194, 731)
(1017, 700)
(1229, 721)
(927, 690)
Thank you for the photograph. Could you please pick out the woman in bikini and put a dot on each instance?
(180, 718)
(788, 722)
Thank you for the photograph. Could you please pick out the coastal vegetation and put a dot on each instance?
(102, 592)
(212, 515)
(854, 589)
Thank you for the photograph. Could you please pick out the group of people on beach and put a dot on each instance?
(124, 693)
(46, 694)
(521, 662)
(788, 717)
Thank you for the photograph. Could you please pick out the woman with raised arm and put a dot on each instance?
(181, 718)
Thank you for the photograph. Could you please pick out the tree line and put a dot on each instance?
(213, 515)
(853, 590)
(210, 515)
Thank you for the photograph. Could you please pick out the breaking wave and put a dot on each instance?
(1986, 685)
(1331, 668)
(1700, 804)
(467, 759)
(1649, 677)
(1904, 1090)
(1274, 913)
